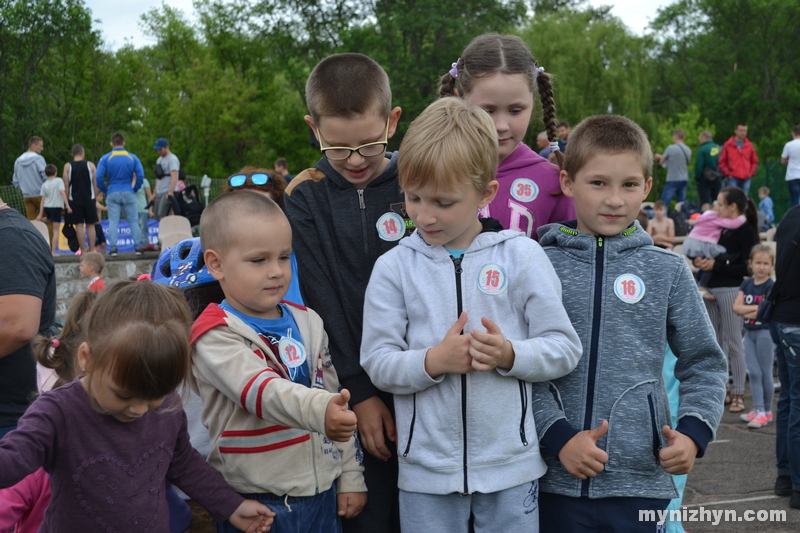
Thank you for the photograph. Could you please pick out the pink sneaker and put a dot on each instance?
(749, 417)
(758, 422)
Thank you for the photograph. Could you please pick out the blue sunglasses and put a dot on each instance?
(256, 179)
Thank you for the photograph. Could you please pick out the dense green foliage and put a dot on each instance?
(228, 89)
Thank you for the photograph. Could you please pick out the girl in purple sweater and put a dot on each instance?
(499, 74)
(110, 438)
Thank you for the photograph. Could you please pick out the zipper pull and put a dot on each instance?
(361, 203)
(457, 264)
(599, 241)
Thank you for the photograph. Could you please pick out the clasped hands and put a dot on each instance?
(469, 352)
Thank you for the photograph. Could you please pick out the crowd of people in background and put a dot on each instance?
(370, 355)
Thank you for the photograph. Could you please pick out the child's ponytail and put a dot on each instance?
(545, 86)
(447, 84)
(59, 354)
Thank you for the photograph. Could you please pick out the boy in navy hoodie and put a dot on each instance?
(345, 212)
(610, 448)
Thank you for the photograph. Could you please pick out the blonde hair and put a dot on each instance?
(219, 224)
(607, 134)
(138, 332)
(95, 259)
(450, 144)
(762, 249)
(346, 85)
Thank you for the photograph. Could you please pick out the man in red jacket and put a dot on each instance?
(738, 160)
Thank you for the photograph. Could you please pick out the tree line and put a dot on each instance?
(228, 89)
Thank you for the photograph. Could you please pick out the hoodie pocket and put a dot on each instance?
(411, 427)
(634, 430)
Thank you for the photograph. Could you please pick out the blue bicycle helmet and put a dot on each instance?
(182, 266)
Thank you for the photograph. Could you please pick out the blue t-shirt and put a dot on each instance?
(271, 331)
(456, 253)
(753, 294)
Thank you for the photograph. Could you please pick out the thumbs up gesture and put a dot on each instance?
(581, 456)
(451, 356)
(490, 349)
(679, 455)
(340, 422)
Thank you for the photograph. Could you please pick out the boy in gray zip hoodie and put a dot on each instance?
(605, 427)
(461, 318)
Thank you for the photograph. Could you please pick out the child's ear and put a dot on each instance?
(84, 356)
(310, 121)
(394, 118)
(566, 183)
(214, 264)
(648, 184)
(489, 193)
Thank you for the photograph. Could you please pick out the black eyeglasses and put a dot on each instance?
(340, 153)
(256, 179)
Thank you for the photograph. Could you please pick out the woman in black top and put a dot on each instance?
(728, 272)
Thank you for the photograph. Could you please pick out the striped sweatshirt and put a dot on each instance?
(267, 433)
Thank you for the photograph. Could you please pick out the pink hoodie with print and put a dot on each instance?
(525, 199)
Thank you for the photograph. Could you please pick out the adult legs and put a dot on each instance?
(794, 191)
(670, 189)
(742, 184)
(787, 419)
(728, 326)
(114, 203)
(32, 206)
(132, 216)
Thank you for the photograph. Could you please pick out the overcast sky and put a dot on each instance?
(119, 21)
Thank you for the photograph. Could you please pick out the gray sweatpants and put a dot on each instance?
(759, 353)
(513, 509)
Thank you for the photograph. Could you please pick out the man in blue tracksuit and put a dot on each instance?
(125, 175)
(610, 446)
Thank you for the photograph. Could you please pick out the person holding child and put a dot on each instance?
(728, 270)
(499, 74)
(280, 429)
(463, 316)
(345, 213)
(759, 351)
(110, 438)
(703, 239)
(609, 444)
(54, 200)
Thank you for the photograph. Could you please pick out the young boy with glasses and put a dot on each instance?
(341, 225)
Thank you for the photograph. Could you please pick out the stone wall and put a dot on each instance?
(69, 281)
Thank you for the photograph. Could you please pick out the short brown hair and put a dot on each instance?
(658, 204)
(77, 149)
(50, 170)
(796, 130)
(138, 331)
(607, 134)
(218, 228)
(117, 139)
(346, 85)
(679, 134)
(450, 143)
(34, 140)
(95, 259)
(275, 187)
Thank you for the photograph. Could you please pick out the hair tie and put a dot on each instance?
(51, 349)
(144, 277)
(454, 70)
(554, 146)
(539, 70)
(55, 343)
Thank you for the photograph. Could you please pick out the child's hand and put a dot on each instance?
(678, 457)
(374, 419)
(340, 422)
(69, 209)
(351, 503)
(581, 456)
(252, 517)
(490, 349)
(451, 356)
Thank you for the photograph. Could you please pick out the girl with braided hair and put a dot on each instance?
(499, 74)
